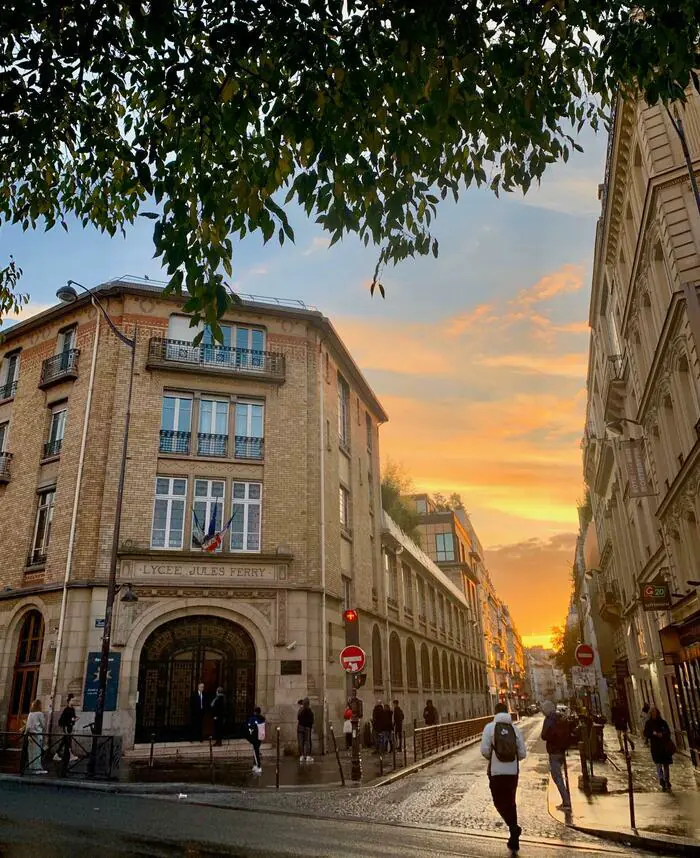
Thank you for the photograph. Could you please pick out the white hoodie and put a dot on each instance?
(497, 766)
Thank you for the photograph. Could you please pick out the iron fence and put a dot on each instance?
(59, 754)
(440, 737)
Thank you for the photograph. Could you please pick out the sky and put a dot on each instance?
(479, 357)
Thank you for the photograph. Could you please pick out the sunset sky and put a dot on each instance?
(479, 357)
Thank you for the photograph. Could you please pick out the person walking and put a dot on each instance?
(199, 704)
(620, 719)
(555, 732)
(347, 728)
(218, 707)
(430, 714)
(34, 731)
(502, 744)
(305, 723)
(377, 725)
(256, 736)
(387, 729)
(661, 745)
(398, 725)
(66, 721)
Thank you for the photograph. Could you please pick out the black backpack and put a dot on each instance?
(505, 744)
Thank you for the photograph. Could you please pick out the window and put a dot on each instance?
(442, 612)
(347, 595)
(370, 490)
(368, 421)
(391, 568)
(212, 439)
(175, 424)
(169, 512)
(242, 345)
(57, 428)
(343, 411)
(9, 371)
(344, 508)
(246, 516)
(249, 430)
(42, 528)
(421, 506)
(65, 341)
(407, 580)
(444, 546)
(421, 598)
(433, 607)
(4, 432)
(207, 510)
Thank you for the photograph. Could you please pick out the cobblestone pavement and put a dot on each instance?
(452, 794)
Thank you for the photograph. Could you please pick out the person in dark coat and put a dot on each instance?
(657, 731)
(218, 707)
(398, 724)
(377, 722)
(621, 722)
(66, 723)
(199, 706)
(430, 714)
(305, 723)
(387, 728)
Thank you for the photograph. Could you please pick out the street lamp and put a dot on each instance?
(68, 295)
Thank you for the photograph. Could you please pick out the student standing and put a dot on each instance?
(36, 725)
(305, 723)
(256, 736)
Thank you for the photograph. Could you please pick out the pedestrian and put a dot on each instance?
(256, 736)
(377, 724)
(305, 723)
(645, 718)
(503, 746)
(661, 745)
(555, 732)
(430, 714)
(66, 721)
(218, 707)
(398, 725)
(199, 705)
(347, 728)
(620, 719)
(34, 731)
(387, 729)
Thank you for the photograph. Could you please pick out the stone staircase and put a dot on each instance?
(230, 749)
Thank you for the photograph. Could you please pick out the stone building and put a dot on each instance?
(275, 430)
(641, 443)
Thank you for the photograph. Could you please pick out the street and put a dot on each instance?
(444, 810)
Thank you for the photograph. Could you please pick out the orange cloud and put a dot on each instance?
(457, 325)
(569, 365)
(568, 279)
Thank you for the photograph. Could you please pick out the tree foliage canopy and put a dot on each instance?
(212, 117)
(565, 639)
(396, 486)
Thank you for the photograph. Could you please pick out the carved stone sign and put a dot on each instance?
(198, 572)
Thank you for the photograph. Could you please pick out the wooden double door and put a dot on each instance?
(175, 659)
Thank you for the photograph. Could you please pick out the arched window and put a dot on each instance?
(395, 661)
(453, 673)
(377, 672)
(445, 672)
(437, 679)
(25, 678)
(425, 666)
(411, 665)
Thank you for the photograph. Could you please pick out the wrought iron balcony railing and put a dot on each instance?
(8, 390)
(248, 448)
(36, 557)
(180, 354)
(5, 459)
(52, 448)
(60, 367)
(175, 442)
(211, 445)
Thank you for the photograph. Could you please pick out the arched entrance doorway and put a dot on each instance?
(25, 678)
(175, 658)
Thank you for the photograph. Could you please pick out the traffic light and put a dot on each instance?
(351, 620)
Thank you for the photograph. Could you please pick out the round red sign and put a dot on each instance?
(584, 655)
(353, 659)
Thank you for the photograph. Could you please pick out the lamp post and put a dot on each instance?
(68, 295)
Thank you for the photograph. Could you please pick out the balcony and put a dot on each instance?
(61, 367)
(36, 558)
(212, 445)
(248, 448)
(615, 388)
(175, 442)
(52, 449)
(609, 604)
(5, 459)
(7, 391)
(215, 360)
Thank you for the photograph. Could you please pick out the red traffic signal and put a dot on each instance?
(350, 616)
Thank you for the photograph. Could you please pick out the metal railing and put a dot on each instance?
(63, 365)
(248, 448)
(211, 445)
(175, 442)
(439, 737)
(52, 448)
(235, 360)
(8, 390)
(5, 459)
(36, 557)
(59, 754)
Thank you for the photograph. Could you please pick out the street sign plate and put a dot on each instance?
(584, 655)
(352, 659)
(583, 677)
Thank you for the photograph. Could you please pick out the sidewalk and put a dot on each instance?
(665, 822)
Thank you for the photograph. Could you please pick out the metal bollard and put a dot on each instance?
(277, 766)
(337, 755)
(405, 753)
(356, 767)
(211, 761)
(630, 789)
(381, 763)
(393, 752)
(150, 756)
(415, 755)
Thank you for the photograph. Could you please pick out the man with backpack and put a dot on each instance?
(557, 735)
(255, 727)
(502, 744)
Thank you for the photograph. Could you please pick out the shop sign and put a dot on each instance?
(655, 596)
(633, 455)
(92, 681)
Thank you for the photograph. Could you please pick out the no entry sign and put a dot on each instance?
(584, 655)
(352, 659)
